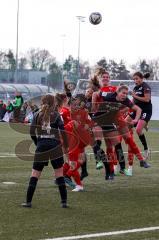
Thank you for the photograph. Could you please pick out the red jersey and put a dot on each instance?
(109, 89)
(79, 136)
(104, 91)
(65, 114)
(82, 117)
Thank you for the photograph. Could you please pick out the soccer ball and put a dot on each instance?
(95, 18)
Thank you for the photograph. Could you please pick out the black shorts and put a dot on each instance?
(146, 116)
(48, 149)
(109, 128)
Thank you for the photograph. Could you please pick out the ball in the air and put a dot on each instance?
(95, 18)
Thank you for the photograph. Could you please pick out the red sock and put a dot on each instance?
(134, 148)
(74, 173)
(66, 167)
(76, 177)
(130, 156)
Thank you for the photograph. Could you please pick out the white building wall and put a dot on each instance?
(35, 77)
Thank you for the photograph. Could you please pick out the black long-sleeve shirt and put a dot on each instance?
(56, 124)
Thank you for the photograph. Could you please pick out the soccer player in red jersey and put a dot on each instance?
(82, 125)
(63, 107)
(78, 131)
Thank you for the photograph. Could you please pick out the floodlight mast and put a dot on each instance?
(80, 19)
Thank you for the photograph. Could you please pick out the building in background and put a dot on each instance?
(24, 76)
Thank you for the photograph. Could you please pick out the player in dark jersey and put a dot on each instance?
(142, 97)
(97, 99)
(99, 153)
(46, 130)
(119, 104)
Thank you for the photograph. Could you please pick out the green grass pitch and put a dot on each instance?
(125, 203)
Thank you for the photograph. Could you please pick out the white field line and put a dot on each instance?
(155, 151)
(96, 235)
(29, 155)
(13, 155)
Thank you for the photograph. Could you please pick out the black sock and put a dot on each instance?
(62, 189)
(104, 159)
(143, 141)
(120, 155)
(84, 165)
(31, 189)
(107, 168)
(96, 150)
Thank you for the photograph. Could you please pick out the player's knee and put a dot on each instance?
(36, 173)
(139, 131)
(59, 172)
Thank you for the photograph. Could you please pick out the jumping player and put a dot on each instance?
(142, 97)
(97, 99)
(120, 97)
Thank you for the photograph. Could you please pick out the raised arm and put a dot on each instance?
(95, 97)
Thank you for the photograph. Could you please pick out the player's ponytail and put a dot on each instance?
(147, 75)
(94, 83)
(47, 108)
(66, 87)
(141, 75)
(100, 71)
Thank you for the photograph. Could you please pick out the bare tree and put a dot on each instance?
(2, 56)
(9, 60)
(154, 64)
(22, 63)
(39, 59)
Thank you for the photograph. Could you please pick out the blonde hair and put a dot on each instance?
(122, 87)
